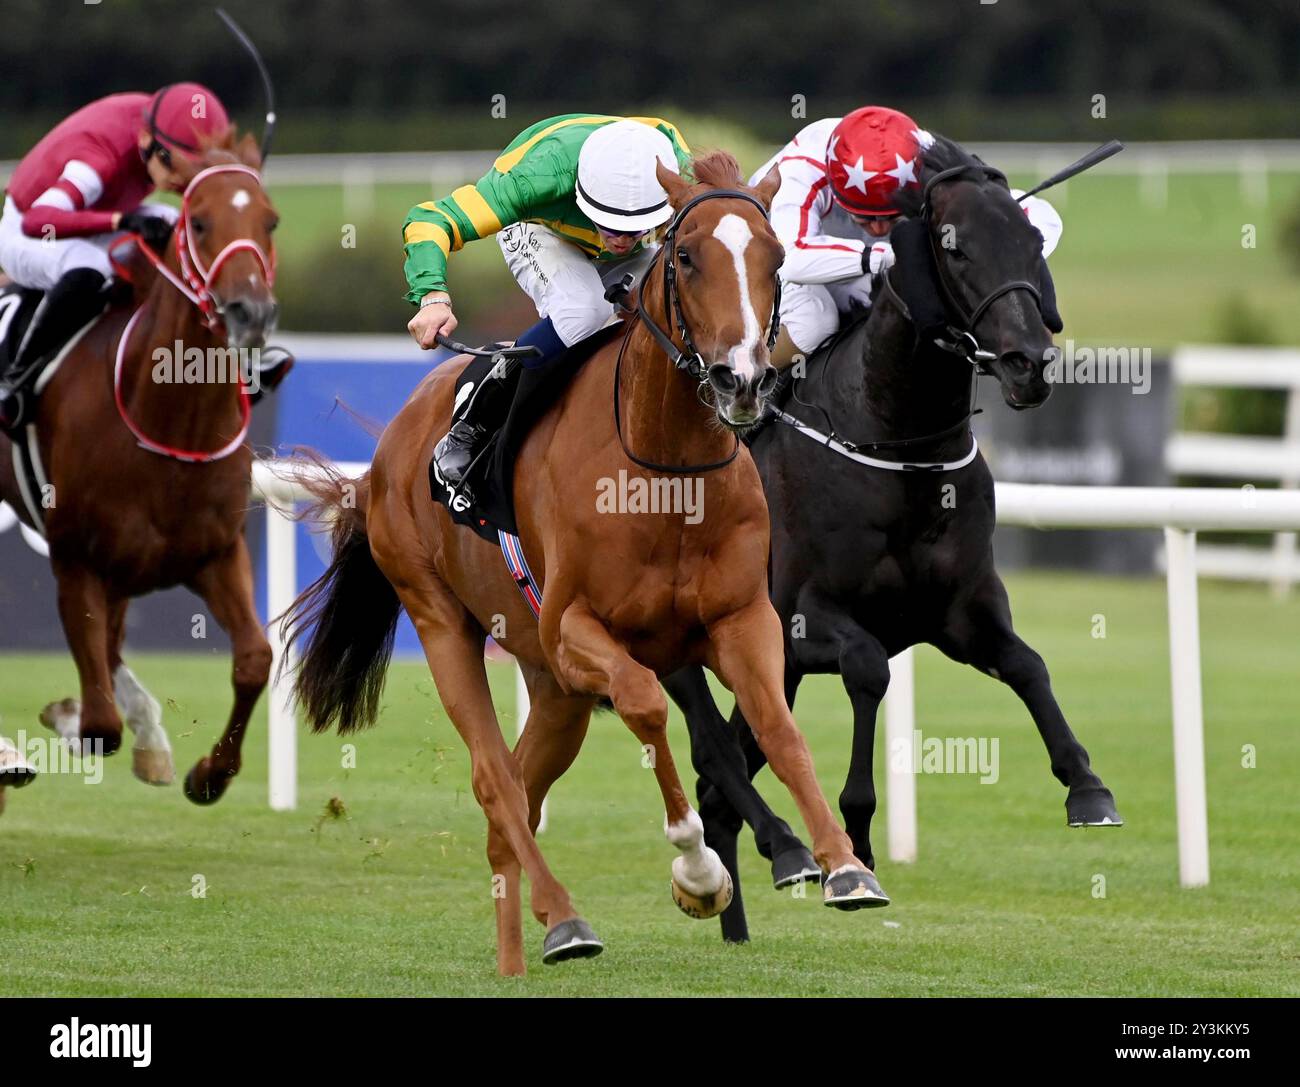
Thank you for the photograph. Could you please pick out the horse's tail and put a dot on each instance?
(348, 614)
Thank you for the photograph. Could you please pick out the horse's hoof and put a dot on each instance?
(1092, 808)
(207, 790)
(702, 906)
(572, 939)
(853, 888)
(794, 866)
(153, 767)
(14, 769)
(55, 713)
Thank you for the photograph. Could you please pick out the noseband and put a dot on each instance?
(963, 339)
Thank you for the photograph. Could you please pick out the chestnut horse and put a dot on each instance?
(627, 596)
(148, 480)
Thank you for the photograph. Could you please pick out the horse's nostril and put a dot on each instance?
(722, 378)
(767, 381)
(237, 312)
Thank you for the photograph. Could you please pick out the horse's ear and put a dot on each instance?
(674, 184)
(766, 189)
(248, 152)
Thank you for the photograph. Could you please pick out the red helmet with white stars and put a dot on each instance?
(872, 154)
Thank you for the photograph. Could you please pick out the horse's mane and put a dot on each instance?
(229, 147)
(942, 154)
(717, 168)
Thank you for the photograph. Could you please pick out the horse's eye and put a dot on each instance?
(957, 254)
(270, 227)
(683, 258)
(199, 226)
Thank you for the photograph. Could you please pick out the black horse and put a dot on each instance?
(882, 533)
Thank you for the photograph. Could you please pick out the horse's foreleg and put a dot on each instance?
(226, 586)
(557, 725)
(864, 668)
(746, 650)
(151, 753)
(719, 758)
(591, 661)
(985, 639)
(84, 608)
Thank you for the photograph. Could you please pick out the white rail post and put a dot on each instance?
(1284, 543)
(1189, 731)
(522, 705)
(900, 721)
(281, 587)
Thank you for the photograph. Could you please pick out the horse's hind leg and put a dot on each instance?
(453, 647)
(983, 637)
(151, 753)
(92, 725)
(226, 586)
(557, 725)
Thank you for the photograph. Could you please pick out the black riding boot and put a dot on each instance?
(67, 306)
(470, 426)
(481, 416)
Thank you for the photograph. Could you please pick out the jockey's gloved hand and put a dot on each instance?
(877, 259)
(153, 230)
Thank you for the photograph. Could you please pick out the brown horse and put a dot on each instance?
(148, 476)
(628, 596)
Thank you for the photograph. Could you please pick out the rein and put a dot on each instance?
(195, 283)
(689, 360)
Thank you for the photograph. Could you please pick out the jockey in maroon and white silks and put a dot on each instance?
(833, 213)
(77, 191)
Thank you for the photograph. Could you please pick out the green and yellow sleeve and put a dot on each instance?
(436, 228)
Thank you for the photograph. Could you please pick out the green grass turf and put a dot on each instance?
(395, 898)
(1127, 274)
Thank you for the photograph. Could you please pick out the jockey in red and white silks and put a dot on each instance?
(833, 214)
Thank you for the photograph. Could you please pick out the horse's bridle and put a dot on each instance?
(195, 280)
(963, 340)
(690, 361)
(195, 283)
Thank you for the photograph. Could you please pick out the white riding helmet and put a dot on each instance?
(617, 188)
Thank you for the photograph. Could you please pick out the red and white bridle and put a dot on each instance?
(196, 279)
(195, 283)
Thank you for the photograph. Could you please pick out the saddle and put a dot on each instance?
(490, 479)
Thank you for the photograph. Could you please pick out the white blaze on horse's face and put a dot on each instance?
(734, 233)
